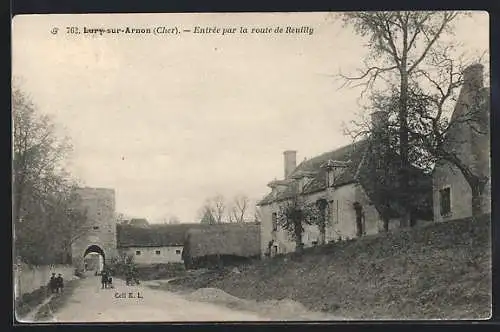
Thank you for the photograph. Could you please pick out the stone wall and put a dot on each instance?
(30, 278)
(155, 255)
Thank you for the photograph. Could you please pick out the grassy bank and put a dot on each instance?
(47, 311)
(28, 302)
(151, 271)
(438, 271)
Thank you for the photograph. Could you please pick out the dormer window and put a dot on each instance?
(301, 183)
(303, 178)
(334, 170)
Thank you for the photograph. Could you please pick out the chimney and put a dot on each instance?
(473, 77)
(290, 162)
(380, 121)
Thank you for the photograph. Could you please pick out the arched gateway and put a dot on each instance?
(97, 240)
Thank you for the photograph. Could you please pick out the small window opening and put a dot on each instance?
(445, 201)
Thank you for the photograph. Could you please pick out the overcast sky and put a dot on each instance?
(168, 121)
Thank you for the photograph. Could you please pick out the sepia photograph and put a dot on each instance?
(251, 167)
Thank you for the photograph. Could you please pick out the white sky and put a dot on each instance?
(168, 121)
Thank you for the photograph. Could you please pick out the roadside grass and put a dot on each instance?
(430, 272)
(47, 311)
(28, 302)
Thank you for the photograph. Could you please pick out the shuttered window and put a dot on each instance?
(275, 221)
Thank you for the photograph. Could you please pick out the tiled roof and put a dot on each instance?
(353, 152)
(240, 239)
(153, 236)
(166, 235)
(358, 169)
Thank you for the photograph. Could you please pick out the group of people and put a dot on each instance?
(131, 277)
(106, 279)
(56, 284)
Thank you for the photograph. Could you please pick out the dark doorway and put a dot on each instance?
(94, 258)
(359, 219)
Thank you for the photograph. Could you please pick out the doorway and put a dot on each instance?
(94, 259)
(360, 219)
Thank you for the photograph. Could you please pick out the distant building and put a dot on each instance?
(165, 243)
(156, 244)
(344, 184)
(470, 141)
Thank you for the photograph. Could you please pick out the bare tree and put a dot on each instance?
(293, 215)
(37, 153)
(43, 193)
(174, 220)
(399, 44)
(239, 208)
(206, 214)
(219, 208)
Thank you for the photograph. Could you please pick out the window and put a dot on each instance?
(178, 251)
(275, 221)
(95, 227)
(137, 252)
(331, 179)
(334, 211)
(445, 201)
(157, 252)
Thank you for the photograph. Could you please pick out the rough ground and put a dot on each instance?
(89, 303)
(433, 272)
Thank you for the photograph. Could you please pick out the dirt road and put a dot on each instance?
(90, 303)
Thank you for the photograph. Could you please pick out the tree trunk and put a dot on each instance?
(298, 242)
(298, 236)
(322, 233)
(403, 145)
(299, 246)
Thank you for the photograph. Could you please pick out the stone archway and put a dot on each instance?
(94, 258)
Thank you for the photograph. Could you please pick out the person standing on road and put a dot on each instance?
(104, 278)
(52, 283)
(60, 283)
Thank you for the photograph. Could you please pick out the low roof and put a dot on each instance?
(353, 153)
(166, 235)
(153, 236)
(358, 157)
(239, 239)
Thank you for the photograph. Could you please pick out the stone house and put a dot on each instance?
(161, 244)
(469, 138)
(344, 180)
(156, 244)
